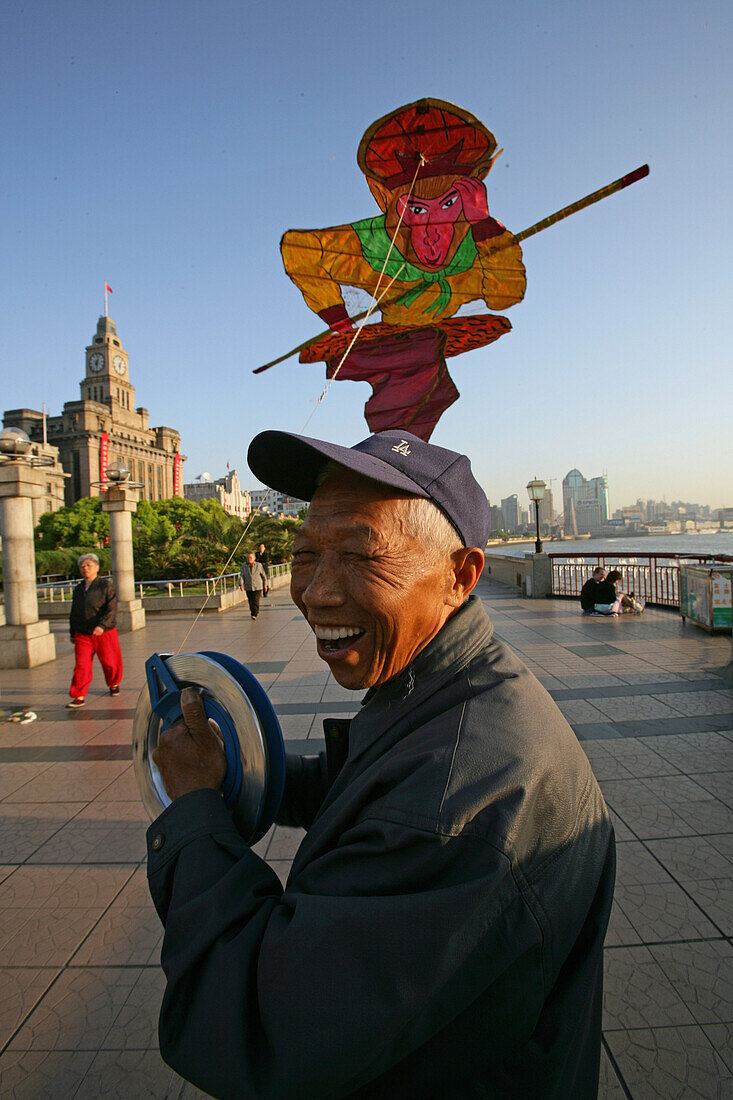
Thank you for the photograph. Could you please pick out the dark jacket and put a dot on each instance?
(264, 559)
(606, 592)
(589, 595)
(440, 934)
(93, 606)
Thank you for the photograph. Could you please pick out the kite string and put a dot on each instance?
(252, 517)
(376, 299)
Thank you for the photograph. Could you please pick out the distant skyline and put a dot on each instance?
(165, 148)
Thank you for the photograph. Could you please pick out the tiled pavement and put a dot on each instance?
(80, 984)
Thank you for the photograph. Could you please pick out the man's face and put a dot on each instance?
(250, 559)
(89, 569)
(262, 547)
(599, 574)
(371, 594)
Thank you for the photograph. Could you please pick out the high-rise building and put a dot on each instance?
(574, 488)
(547, 510)
(496, 518)
(510, 510)
(599, 492)
(587, 514)
(578, 496)
(105, 426)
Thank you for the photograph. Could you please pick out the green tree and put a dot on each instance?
(84, 524)
(171, 538)
(156, 543)
(277, 535)
(210, 540)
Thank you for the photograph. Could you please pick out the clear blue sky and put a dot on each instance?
(165, 147)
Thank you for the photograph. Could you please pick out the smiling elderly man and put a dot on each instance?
(440, 935)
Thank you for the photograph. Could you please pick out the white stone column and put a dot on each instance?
(120, 501)
(24, 640)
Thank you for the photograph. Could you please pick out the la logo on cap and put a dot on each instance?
(402, 447)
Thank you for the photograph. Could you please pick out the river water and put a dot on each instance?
(662, 545)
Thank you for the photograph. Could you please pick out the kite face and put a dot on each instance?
(431, 225)
(437, 244)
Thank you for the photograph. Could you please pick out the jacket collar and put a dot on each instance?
(465, 632)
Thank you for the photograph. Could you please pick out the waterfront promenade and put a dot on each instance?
(80, 983)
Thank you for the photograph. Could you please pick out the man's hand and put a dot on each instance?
(98, 630)
(473, 196)
(190, 755)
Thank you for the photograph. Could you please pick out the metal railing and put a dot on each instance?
(651, 577)
(181, 586)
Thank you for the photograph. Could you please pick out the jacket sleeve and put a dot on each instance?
(319, 261)
(76, 614)
(317, 989)
(503, 278)
(306, 784)
(108, 611)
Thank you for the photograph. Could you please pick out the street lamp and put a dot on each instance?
(536, 490)
(118, 472)
(15, 447)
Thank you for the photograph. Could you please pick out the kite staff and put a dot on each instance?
(538, 227)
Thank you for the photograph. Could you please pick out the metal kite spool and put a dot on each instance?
(255, 776)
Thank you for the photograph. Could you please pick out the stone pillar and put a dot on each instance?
(24, 640)
(121, 501)
(541, 573)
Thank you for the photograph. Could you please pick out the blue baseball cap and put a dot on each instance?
(291, 464)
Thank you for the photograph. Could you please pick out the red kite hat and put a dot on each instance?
(452, 141)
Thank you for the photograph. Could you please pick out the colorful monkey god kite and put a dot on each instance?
(433, 249)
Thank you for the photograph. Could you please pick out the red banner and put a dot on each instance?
(176, 474)
(103, 459)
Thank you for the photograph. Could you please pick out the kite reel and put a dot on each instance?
(255, 755)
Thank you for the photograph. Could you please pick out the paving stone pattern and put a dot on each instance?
(80, 982)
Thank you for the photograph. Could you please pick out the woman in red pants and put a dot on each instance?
(93, 630)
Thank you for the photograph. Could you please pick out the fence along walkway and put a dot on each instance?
(651, 577)
(64, 590)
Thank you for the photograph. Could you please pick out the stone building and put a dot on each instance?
(105, 425)
(227, 490)
(272, 503)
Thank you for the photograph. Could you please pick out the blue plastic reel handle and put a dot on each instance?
(272, 733)
(165, 700)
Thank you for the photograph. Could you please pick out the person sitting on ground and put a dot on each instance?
(610, 600)
(441, 931)
(589, 591)
(92, 625)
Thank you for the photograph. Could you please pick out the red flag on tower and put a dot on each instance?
(109, 288)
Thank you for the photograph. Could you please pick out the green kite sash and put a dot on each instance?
(375, 245)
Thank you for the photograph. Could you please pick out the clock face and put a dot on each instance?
(119, 364)
(96, 362)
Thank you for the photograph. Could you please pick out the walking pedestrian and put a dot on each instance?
(252, 579)
(92, 624)
(263, 558)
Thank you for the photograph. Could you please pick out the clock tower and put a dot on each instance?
(104, 426)
(107, 377)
